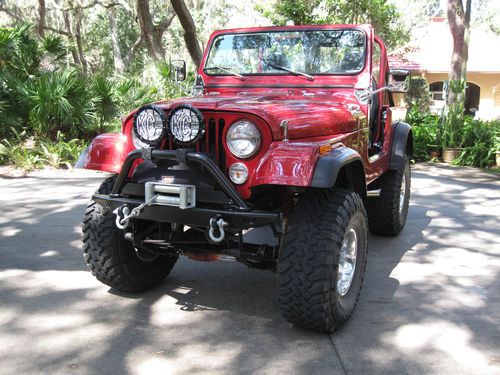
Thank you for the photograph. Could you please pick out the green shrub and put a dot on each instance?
(106, 100)
(450, 132)
(60, 101)
(20, 155)
(479, 140)
(30, 153)
(425, 130)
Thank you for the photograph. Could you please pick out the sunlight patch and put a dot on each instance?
(9, 231)
(49, 253)
(443, 337)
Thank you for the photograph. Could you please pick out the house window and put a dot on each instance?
(436, 90)
(472, 97)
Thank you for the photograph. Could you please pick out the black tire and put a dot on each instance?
(308, 267)
(384, 215)
(112, 259)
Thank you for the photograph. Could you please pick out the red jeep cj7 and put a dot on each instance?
(288, 128)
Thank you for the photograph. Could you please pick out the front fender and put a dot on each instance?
(287, 163)
(107, 152)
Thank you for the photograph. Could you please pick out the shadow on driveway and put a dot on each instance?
(429, 302)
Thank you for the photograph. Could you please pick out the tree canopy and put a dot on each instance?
(384, 16)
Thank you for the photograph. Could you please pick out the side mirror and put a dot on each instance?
(178, 70)
(399, 81)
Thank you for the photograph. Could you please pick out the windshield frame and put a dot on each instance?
(283, 30)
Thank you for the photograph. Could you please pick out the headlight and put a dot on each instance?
(243, 139)
(149, 126)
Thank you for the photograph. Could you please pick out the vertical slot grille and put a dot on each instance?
(211, 142)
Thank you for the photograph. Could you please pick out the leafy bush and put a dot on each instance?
(479, 140)
(425, 128)
(450, 132)
(28, 153)
(19, 155)
(60, 101)
(42, 95)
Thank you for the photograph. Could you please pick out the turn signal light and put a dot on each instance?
(238, 173)
(325, 149)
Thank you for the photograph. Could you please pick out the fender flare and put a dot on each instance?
(402, 144)
(328, 169)
(80, 163)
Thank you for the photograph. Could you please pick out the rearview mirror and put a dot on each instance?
(399, 80)
(178, 70)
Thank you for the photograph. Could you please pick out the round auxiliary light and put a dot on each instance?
(238, 173)
(243, 139)
(185, 124)
(149, 126)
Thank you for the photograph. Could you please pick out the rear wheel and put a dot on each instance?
(112, 259)
(387, 213)
(323, 259)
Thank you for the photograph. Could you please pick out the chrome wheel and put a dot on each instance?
(402, 195)
(347, 261)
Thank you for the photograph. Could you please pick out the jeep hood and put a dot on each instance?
(310, 116)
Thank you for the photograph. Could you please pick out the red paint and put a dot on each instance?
(107, 152)
(316, 115)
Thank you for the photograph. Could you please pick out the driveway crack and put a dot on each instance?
(330, 336)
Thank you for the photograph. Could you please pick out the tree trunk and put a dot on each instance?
(41, 18)
(67, 23)
(147, 29)
(159, 30)
(459, 21)
(189, 27)
(79, 41)
(456, 21)
(468, 6)
(117, 54)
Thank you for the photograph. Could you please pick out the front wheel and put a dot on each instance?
(323, 259)
(112, 259)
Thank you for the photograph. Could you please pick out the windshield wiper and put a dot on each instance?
(309, 77)
(226, 70)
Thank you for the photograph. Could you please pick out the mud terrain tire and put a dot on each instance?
(112, 259)
(308, 267)
(385, 217)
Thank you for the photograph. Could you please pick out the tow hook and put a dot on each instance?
(123, 213)
(217, 223)
(122, 217)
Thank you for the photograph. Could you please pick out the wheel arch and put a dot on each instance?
(342, 168)
(402, 144)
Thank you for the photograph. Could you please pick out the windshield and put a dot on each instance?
(306, 52)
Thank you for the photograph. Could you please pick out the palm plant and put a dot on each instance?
(60, 100)
(450, 134)
(106, 99)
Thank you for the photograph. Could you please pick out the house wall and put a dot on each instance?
(489, 83)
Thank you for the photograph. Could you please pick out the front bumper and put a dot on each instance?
(239, 215)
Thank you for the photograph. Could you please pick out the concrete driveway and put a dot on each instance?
(430, 302)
